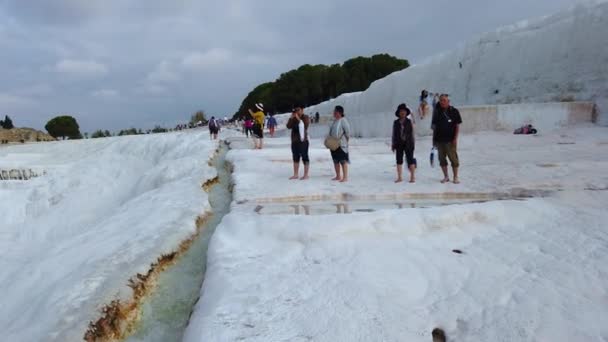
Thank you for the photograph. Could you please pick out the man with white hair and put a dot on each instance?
(258, 125)
(446, 127)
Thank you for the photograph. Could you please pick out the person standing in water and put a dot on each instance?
(258, 126)
(403, 142)
(446, 125)
(340, 129)
(298, 124)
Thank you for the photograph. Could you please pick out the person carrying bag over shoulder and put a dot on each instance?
(337, 142)
(332, 142)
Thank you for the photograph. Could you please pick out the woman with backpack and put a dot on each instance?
(403, 142)
(214, 128)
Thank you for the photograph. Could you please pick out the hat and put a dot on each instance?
(259, 106)
(401, 107)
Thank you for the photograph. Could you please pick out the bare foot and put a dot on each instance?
(445, 180)
(304, 178)
(344, 180)
(399, 180)
(293, 177)
(456, 181)
(412, 180)
(336, 179)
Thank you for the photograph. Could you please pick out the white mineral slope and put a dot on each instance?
(104, 211)
(561, 57)
(533, 270)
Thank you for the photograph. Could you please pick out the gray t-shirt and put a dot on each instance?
(341, 129)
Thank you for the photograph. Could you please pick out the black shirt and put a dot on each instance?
(445, 122)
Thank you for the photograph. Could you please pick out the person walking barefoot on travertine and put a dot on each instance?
(403, 142)
(258, 126)
(298, 124)
(340, 130)
(446, 125)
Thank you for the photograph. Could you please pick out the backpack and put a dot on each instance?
(212, 124)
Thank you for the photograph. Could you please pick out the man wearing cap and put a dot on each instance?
(446, 123)
(258, 125)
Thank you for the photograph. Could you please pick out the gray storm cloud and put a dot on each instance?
(115, 64)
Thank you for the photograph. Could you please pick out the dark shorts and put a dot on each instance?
(447, 151)
(339, 156)
(214, 130)
(409, 155)
(258, 132)
(299, 150)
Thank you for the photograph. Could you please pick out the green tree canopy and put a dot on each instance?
(64, 126)
(312, 84)
(100, 134)
(198, 117)
(130, 131)
(7, 123)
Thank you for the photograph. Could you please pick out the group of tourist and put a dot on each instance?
(445, 124)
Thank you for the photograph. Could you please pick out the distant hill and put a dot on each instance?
(23, 135)
(312, 84)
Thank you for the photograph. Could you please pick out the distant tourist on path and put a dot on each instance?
(298, 124)
(447, 122)
(258, 126)
(403, 142)
(340, 133)
(435, 100)
(317, 117)
(272, 125)
(423, 109)
(214, 128)
(248, 126)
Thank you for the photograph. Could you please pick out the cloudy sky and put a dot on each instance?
(121, 63)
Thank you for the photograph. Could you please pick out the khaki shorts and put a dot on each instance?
(447, 151)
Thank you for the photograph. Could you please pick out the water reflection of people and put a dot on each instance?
(403, 205)
(306, 209)
(296, 209)
(342, 208)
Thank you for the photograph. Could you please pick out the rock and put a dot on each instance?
(23, 135)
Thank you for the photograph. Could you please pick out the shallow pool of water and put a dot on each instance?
(352, 206)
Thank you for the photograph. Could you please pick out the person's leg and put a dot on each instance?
(399, 173)
(296, 161)
(454, 161)
(344, 172)
(399, 158)
(334, 158)
(443, 161)
(305, 160)
(296, 170)
(337, 169)
(411, 164)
